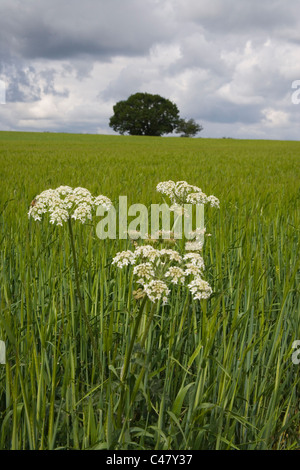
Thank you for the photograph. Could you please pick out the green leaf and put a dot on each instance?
(177, 405)
(194, 355)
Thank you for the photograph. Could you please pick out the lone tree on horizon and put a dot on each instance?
(145, 114)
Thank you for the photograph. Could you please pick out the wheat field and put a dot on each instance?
(213, 374)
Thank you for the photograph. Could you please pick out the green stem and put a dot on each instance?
(77, 280)
(145, 334)
(142, 372)
(127, 359)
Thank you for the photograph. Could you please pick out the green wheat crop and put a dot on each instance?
(209, 374)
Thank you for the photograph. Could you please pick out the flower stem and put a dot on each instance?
(145, 334)
(127, 359)
(141, 374)
(77, 280)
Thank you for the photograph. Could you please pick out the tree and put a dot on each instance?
(145, 114)
(188, 128)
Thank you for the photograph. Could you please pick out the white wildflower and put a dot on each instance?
(195, 259)
(201, 198)
(157, 290)
(166, 187)
(81, 192)
(145, 272)
(124, 258)
(103, 201)
(155, 270)
(64, 190)
(82, 212)
(64, 202)
(176, 274)
(171, 254)
(194, 246)
(196, 198)
(182, 189)
(214, 201)
(182, 192)
(147, 251)
(59, 216)
(193, 269)
(200, 289)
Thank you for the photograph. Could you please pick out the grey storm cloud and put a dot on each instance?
(240, 17)
(63, 29)
(22, 84)
(26, 84)
(228, 63)
(67, 29)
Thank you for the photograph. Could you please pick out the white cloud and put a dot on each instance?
(229, 65)
(275, 118)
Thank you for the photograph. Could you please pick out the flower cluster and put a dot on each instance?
(145, 272)
(124, 258)
(194, 259)
(157, 290)
(200, 289)
(176, 274)
(156, 269)
(64, 202)
(182, 192)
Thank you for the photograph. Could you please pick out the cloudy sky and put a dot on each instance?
(229, 64)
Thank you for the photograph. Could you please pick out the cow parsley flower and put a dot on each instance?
(64, 190)
(156, 269)
(103, 201)
(58, 216)
(175, 274)
(214, 201)
(64, 203)
(166, 187)
(197, 198)
(146, 252)
(124, 258)
(193, 269)
(182, 192)
(194, 246)
(200, 289)
(195, 259)
(172, 255)
(157, 290)
(82, 212)
(144, 271)
(182, 189)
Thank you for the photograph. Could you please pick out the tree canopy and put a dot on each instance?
(188, 128)
(145, 114)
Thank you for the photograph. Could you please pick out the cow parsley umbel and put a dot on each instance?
(157, 271)
(182, 192)
(65, 204)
